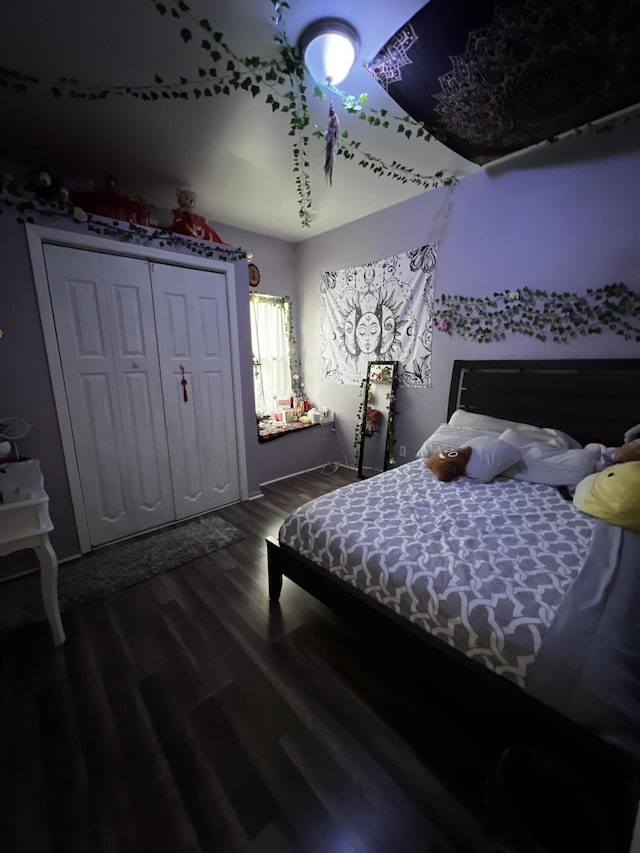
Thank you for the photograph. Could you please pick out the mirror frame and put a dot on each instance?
(389, 440)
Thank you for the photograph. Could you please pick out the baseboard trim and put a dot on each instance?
(305, 471)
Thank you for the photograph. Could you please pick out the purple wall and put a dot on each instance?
(277, 262)
(562, 217)
(25, 387)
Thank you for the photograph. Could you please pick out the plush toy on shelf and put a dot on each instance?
(8, 183)
(47, 188)
(187, 222)
(111, 203)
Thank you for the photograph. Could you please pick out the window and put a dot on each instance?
(273, 353)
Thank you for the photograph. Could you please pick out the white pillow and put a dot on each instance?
(494, 426)
(443, 438)
(549, 465)
(490, 456)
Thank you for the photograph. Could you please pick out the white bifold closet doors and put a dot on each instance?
(128, 332)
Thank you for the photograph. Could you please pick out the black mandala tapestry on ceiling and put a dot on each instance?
(490, 78)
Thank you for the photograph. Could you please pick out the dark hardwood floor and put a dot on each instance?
(188, 713)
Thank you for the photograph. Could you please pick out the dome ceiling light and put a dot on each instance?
(329, 48)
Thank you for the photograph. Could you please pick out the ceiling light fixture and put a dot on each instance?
(329, 48)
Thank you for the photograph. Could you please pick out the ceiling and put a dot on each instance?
(234, 151)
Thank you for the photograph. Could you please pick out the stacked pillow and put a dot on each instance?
(512, 449)
(545, 463)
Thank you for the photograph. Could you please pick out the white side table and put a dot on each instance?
(25, 523)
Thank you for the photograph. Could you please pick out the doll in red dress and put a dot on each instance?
(186, 221)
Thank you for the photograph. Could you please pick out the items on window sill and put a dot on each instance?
(272, 426)
(269, 429)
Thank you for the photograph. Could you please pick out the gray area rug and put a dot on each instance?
(113, 568)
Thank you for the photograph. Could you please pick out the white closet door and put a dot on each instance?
(104, 322)
(135, 353)
(193, 333)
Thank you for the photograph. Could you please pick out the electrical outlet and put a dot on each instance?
(402, 450)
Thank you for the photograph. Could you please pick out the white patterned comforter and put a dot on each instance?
(481, 566)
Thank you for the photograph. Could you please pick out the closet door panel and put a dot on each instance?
(84, 340)
(148, 483)
(191, 312)
(187, 450)
(221, 450)
(178, 338)
(217, 389)
(128, 284)
(101, 413)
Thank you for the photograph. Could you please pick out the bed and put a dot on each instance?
(556, 639)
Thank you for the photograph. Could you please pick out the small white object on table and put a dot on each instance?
(25, 523)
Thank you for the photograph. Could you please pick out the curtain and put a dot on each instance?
(270, 325)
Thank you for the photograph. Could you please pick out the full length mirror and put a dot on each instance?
(377, 413)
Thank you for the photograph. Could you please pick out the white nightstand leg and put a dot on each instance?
(49, 587)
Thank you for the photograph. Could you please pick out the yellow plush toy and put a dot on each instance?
(613, 495)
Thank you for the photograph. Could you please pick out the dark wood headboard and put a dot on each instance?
(591, 399)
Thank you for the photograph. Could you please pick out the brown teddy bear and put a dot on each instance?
(449, 464)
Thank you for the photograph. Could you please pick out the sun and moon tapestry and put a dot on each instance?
(379, 311)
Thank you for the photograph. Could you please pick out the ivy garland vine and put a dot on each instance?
(556, 316)
(363, 410)
(282, 83)
(117, 230)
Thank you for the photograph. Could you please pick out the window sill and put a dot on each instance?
(277, 430)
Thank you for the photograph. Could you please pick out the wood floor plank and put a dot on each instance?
(65, 770)
(33, 665)
(215, 823)
(243, 785)
(300, 702)
(311, 823)
(109, 806)
(162, 819)
(151, 645)
(383, 751)
(275, 838)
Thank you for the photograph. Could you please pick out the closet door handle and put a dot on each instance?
(135, 365)
(183, 382)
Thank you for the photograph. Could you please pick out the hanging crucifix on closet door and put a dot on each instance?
(183, 382)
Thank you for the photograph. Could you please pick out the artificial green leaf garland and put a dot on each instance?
(280, 80)
(27, 210)
(557, 316)
(385, 375)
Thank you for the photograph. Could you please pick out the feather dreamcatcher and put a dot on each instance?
(331, 140)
